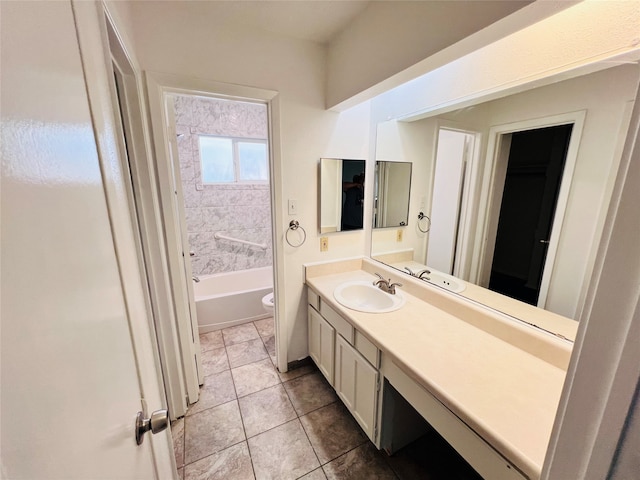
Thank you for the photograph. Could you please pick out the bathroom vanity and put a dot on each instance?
(488, 384)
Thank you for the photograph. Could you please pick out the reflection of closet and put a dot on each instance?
(530, 194)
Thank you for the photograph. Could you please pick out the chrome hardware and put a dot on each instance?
(386, 285)
(422, 216)
(420, 274)
(293, 226)
(195, 279)
(192, 253)
(410, 271)
(544, 241)
(158, 422)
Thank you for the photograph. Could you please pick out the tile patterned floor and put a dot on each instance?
(252, 422)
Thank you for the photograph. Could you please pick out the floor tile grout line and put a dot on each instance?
(273, 428)
(244, 429)
(303, 429)
(217, 452)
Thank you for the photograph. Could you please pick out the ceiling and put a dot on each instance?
(315, 20)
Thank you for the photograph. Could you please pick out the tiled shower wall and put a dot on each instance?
(236, 210)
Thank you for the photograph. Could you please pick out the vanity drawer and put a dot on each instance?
(343, 327)
(313, 299)
(367, 349)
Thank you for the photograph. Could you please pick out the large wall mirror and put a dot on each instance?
(341, 195)
(514, 192)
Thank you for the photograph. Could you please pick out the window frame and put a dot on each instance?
(235, 158)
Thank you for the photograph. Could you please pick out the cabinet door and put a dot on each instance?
(357, 385)
(321, 343)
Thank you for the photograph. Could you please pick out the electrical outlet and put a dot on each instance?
(324, 244)
(293, 207)
(399, 235)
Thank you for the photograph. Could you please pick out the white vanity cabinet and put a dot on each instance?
(322, 341)
(356, 383)
(348, 360)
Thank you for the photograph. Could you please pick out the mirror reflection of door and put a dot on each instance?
(392, 188)
(532, 183)
(451, 161)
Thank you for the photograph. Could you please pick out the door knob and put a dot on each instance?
(158, 422)
(544, 241)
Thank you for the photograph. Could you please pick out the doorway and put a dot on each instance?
(536, 160)
(163, 91)
(221, 169)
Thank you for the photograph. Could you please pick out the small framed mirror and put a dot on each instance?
(341, 195)
(391, 194)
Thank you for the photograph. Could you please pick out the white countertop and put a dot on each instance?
(550, 321)
(507, 396)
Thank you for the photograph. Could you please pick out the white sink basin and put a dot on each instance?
(445, 281)
(363, 296)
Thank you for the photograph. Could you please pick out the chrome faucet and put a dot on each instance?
(386, 285)
(420, 274)
(411, 272)
(195, 279)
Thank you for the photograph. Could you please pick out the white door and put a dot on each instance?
(72, 381)
(445, 206)
(194, 372)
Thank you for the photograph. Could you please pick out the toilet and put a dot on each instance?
(267, 302)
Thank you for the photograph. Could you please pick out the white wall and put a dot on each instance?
(389, 37)
(178, 38)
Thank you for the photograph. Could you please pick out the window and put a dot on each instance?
(233, 160)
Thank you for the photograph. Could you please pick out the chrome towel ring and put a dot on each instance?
(422, 216)
(295, 225)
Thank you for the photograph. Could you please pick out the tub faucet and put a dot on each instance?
(386, 285)
(195, 279)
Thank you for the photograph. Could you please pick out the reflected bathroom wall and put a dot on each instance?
(604, 99)
(230, 199)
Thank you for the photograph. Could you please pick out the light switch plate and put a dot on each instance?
(293, 207)
(324, 244)
(399, 235)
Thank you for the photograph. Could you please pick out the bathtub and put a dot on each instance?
(227, 299)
